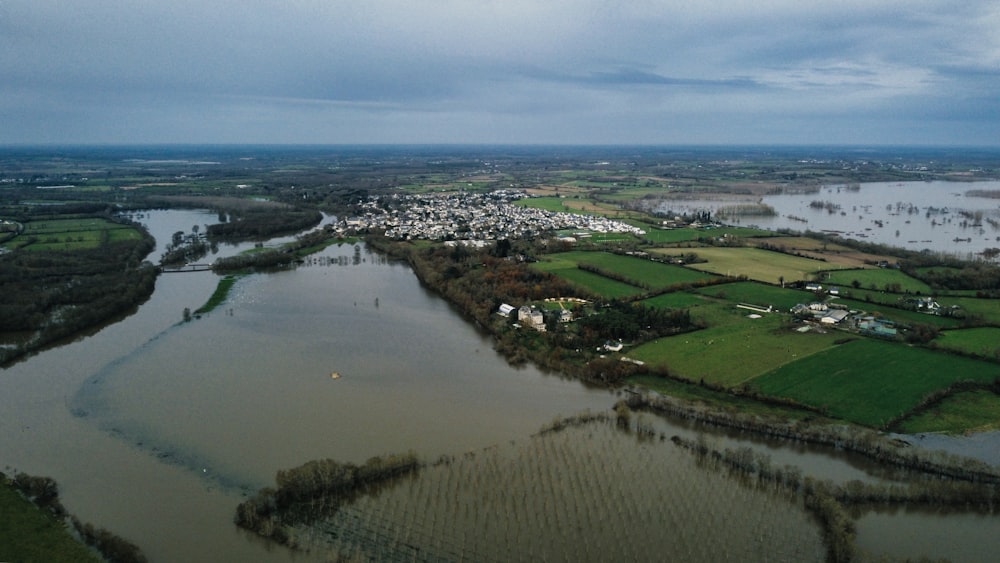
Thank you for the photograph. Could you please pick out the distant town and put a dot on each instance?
(469, 216)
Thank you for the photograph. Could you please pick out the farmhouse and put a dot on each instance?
(834, 316)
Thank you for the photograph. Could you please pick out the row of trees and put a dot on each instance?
(315, 489)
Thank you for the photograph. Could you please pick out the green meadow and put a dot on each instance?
(880, 278)
(871, 382)
(646, 274)
(961, 412)
(71, 234)
(754, 263)
(588, 281)
(734, 348)
(782, 299)
(982, 341)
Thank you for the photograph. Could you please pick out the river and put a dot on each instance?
(156, 429)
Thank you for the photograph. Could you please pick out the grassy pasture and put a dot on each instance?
(871, 382)
(988, 309)
(878, 278)
(72, 234)
(831, 252)
(670, 236)
(782, 299)
(962, 412)
(646, 272)
(28, 533)
(754, 263)
(589, 281)
(734, 349)
(984, 341)
(675, 300)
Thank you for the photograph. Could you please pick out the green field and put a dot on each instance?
(754, 263)
(782, 299)
(29, 534)
(881, 278)
(984, 341)
(71, 234)
(675, 300)
(987, 309)
(962, 412)
(645, 273)
(871, 382)
(734, 349)
(589, 281)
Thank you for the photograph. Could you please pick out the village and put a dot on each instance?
(465, 216)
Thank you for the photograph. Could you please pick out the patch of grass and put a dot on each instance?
(674, 300)
(973, 411)
(589, 281)
(734, 348)
(869, 381)
(218, 296)
(669, 236)
(887, 279)
(754, 263)
(28, 533)
(782, 299)
(71, 234)
(983, 341)
(987, 309)
(644, 272)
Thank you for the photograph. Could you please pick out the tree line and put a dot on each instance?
(314, 490)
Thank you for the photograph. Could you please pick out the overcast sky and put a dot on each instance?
(866, 72)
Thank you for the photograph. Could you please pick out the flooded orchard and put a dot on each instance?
(158, 429)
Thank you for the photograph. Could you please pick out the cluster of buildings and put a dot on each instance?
(532, 317)
(470, 216)
(851, 320)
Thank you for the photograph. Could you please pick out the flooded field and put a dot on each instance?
(581, 494)
(940, 216)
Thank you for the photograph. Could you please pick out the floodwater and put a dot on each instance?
(156, 429)
(911, 215)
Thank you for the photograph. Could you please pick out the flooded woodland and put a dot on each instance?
(157, 429)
